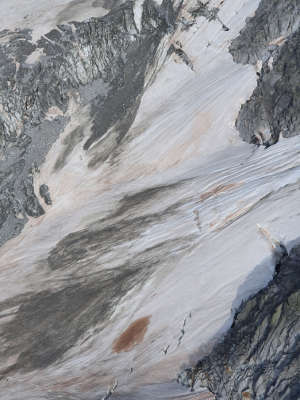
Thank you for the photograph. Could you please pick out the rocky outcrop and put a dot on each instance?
(37, 81)
(271, 39)
(272, 21)
(259, 357)
(274, 108)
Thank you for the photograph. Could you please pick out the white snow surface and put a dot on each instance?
(184, 132)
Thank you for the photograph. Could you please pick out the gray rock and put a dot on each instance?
(117, 56)
(259, 357)
(274, 107)
(272, 37)
(272, 20)
(45, 194)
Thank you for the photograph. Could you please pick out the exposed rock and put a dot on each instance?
(272, 23)
(45, 194)
(272, 37)
(182, 55)
(203, 10)
(274, 107)
(110, 51)
(206, 11)
(259, 358)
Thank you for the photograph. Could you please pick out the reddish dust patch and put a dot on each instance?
(219, 189)
(66, 384)
(278, 41)
(89, 381)
(228, 370)
(234, 216)
(246, 395)
(132, 336)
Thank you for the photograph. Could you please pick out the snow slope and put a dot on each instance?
(188, 199)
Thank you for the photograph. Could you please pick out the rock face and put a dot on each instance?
(37, 81)
(259, 357)
(269, 27)
(271, 37)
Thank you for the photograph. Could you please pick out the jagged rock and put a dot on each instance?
(203, 10)
(271, 24)
(274, 107)
(272, 37)
(182, 55)
(259, 357)
(45, 194)
(110, 50)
